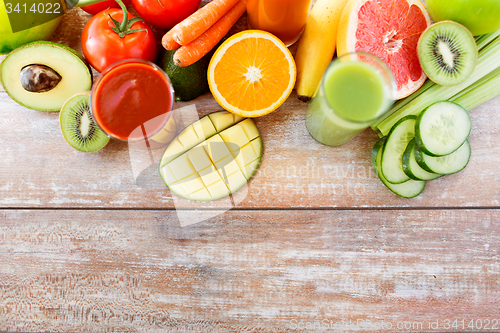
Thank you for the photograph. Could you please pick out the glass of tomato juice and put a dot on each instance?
(132, 100)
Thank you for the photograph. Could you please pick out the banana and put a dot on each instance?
(317, 45)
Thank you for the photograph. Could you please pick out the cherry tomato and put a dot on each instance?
(102, 46)
(164, 14)
(100, 6)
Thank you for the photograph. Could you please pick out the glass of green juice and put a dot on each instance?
(356, 89)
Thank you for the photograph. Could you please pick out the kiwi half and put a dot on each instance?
(78, 127)
(447, 52)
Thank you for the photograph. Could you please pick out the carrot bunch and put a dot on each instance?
(199, 33)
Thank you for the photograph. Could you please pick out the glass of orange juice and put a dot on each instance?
(283, 18)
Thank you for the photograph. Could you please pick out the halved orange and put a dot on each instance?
(252, 73)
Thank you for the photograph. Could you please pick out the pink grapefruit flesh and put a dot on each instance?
(389, 29)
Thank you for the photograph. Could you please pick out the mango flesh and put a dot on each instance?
(213, 157)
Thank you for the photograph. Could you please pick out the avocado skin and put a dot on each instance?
(188, 82)
(191, 81)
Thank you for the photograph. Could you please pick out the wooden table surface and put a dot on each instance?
(314, 242)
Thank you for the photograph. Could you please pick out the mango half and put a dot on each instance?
(213, 157)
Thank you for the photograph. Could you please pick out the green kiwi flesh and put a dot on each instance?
(78, 127)
(447, 52)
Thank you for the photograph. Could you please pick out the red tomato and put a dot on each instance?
(100, 6)
(102, 46)
(164, 14)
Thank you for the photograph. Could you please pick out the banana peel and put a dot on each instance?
(317, 45)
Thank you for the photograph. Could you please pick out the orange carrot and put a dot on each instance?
(168, 41)
(201, 20)
(189, 54)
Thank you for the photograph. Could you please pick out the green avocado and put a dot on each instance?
(44, 75)
(188, 82)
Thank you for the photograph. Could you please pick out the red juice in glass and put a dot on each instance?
(131, 100)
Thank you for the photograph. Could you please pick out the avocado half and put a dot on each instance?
(72, 69)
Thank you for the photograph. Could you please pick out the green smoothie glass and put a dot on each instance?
(356, 89)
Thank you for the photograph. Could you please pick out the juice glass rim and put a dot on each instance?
(121, 63)
(380, 62)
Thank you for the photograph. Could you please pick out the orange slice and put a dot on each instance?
(252, 73)
(389, 29)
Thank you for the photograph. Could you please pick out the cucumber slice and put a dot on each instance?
(392, 153)
(408, 189)
(442, 128)
(411, 167)
(445, 165)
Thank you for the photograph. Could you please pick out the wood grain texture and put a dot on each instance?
(103, 271)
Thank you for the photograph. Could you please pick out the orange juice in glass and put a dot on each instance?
(283, 18)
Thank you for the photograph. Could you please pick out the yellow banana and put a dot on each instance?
(317, 45)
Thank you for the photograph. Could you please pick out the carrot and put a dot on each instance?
(168, 41)
(189, 54)
(201, 20)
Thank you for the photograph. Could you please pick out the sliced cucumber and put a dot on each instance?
(445, 165)
(411, 167)
(392, 153)
(442, 128)
(408, 189)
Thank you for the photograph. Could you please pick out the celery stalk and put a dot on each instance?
(480, 92)
(488, 61)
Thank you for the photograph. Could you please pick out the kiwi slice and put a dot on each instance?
(78, 127)
(447, 52)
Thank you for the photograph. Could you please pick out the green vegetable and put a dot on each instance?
(481, 86)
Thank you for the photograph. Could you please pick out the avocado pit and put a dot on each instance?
(39, 78)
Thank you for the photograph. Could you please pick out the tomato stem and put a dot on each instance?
(83, 3)
(123, 28)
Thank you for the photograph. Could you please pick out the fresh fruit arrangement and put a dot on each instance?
(251, 73)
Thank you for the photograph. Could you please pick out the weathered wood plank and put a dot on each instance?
(80, 270)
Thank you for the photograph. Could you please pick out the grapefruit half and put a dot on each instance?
(389, 29)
